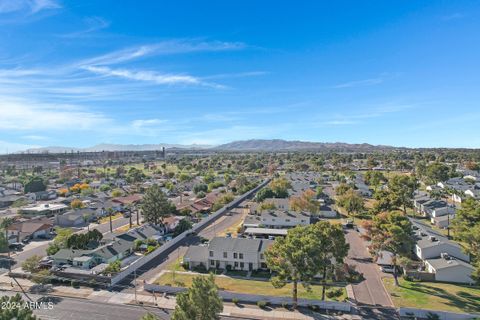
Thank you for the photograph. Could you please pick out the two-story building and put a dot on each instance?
(277, 219)
(229, 253)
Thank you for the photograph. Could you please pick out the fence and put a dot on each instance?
(413, 313)
(175, 242)
(254, 298)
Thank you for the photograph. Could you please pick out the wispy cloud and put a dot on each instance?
(140, 123)
(92, 24)
(351, 119)
(453, 16)
(28, 6)
(150, 76)
(161, 48)
(359, 83)
(23, 115)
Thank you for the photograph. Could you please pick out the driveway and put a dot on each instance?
(371, 290)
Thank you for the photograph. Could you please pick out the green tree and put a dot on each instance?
(200, 301)
(352, 202)
(305, 252)
(149, 316)
(35, 184)
(17, 310)
(156, 206)
(31, 264)
(437, 172)
(466, 226)
(391, 232)
(402, 189)
(183, 225)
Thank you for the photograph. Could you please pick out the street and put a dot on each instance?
(82, 309)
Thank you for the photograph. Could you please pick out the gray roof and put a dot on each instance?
(284, 214)
(196, 253)
(239, 244)
(441, 263)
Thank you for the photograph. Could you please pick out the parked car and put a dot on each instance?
(387, 269)
(17, 246)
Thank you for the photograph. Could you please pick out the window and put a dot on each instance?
(235, 255)
(241, 256)
(225, 255)
(236, 264)
(287, 220)
(262, 256)
(242, 265)
(211, 253)
(212, 262)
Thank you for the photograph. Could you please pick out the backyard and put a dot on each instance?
(250, 286)
(434, 295)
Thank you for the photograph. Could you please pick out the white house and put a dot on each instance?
(229, 253)
(433, 246)
(449, 269)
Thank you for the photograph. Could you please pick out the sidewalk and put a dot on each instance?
(248, 312)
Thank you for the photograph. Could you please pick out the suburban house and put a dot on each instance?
(143, 232)
(87, 259)
(442, 221)
(76, 218)
(435, 208)
(43, 195)
(229, 253)
(432, 246)
(277, 219)
(46, 209)
(279, 203)
(441, 256)
(32, 229)
(449, 269)
(8, 200)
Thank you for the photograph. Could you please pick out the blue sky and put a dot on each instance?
(78, 73)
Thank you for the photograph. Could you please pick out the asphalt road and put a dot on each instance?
(371, 290)
(80, 309)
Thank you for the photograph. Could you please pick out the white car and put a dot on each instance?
(387, 269)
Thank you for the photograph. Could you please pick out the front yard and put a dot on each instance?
(251, 286)
(434, 295)
(106, 219)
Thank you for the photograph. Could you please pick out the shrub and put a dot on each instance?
(74, 284)
(235, 300)
(262, 304)
(334, 293)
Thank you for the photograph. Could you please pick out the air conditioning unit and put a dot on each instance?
(445, 256)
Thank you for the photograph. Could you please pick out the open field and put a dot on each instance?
(250, 286)
(433, 295)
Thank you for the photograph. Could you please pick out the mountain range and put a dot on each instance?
(243, 145)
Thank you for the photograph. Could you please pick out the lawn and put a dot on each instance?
(107, 219)
(126, 227)
(433, 295)
(250, 286)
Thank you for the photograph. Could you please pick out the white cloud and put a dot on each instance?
(359, 83)
(22, 115)
(149, 76)
(147, 123)
(92, 24)
(32, 6)
(162, 48)
(34, 137)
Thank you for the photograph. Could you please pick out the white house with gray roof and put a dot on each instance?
(449, 269)
(229, 253)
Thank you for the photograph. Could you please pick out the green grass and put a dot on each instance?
(434, 295)
(250, 286)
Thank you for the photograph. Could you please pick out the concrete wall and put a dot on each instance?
(254, 298)
(422, 313)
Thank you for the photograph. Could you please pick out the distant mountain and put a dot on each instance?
(116, 147)
(284, 145)
(244, 145)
